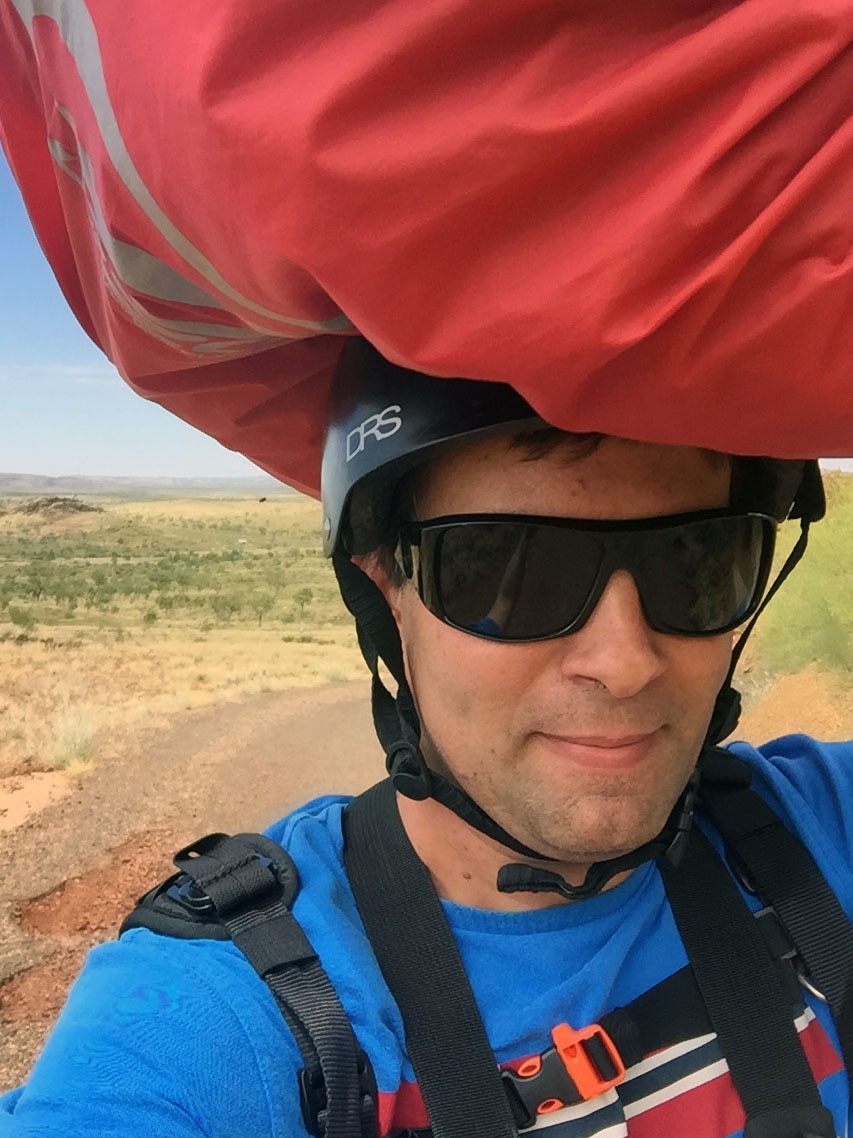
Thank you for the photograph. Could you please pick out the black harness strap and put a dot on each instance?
(775, 865)
(748, 1006)
(242, 889)
(420, 962)
(745, 1001)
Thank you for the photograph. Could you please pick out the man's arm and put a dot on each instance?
(162, 1037)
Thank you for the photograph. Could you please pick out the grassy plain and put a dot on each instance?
(119, 615)
(799, 660)
(811, 619)
(132, 610)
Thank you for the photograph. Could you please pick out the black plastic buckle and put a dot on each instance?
(408, 771)
(313, 1100)
(239, 858)
(190, 895)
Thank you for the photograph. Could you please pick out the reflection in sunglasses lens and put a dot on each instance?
(513, 580)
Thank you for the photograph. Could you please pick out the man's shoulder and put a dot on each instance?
(809, 784)
(312, 837)
(172, 996)
(794, 768)
(323, 904)
(313, 830)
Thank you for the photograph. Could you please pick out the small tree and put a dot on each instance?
(33, 586)
(224, 606)
(261, 605)
(149, 618)
(302, 598)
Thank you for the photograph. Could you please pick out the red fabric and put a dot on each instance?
(638, 215)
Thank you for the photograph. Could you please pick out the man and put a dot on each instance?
(565, 607)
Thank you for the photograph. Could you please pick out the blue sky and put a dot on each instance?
(64, 409)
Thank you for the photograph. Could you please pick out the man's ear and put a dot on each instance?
(372, 564)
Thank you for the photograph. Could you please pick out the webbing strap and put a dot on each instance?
(251, 904)
(745, 1001)
(415, 948)
(785, 875)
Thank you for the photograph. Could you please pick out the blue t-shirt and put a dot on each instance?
(181, 1038)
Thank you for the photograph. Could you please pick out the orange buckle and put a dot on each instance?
(584, 1074)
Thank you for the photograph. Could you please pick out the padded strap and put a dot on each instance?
(250, 894)
(447, 1043)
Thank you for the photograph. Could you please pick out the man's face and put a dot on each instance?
(577, 746)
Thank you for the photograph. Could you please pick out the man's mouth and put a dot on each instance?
(610, 752)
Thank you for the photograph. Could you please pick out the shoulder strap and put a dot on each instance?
(453, 1061)
(391, 891)
(241, 889)
(746, 1003)
(774, 863)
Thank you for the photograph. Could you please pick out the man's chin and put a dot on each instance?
(586, 847)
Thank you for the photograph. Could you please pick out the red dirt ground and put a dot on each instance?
(70, 874)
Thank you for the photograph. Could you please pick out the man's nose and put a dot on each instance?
(616, 647)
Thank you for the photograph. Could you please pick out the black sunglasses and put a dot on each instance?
(514, 577)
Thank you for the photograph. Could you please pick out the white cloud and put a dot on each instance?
(83, 375)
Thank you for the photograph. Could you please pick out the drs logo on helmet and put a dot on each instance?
(380, 426)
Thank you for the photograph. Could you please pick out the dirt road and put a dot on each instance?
(71, 872)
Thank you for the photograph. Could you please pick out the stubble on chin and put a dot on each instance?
(592, 817)
(598, 816)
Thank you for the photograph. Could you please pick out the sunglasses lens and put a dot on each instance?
(512, 580)
(508, 580)
(705, 576)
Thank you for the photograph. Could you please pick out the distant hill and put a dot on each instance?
(17, 485)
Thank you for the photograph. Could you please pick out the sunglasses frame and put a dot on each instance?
(410, 536)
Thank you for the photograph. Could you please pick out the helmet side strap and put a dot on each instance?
(728, 706)
(793, 558)
(395, 717)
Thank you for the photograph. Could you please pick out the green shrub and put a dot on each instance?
(23, 618)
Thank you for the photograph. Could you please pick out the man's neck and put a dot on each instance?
(464, 864)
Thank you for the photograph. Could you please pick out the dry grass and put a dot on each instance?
(74, 736)
(54, 696)
(73, 675)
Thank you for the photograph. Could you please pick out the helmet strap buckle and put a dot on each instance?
(409, 773)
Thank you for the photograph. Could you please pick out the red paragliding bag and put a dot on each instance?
(641, 216)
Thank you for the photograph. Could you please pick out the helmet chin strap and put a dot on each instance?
(398, 728)
(413, 778)
(396, 718)
(670, 843)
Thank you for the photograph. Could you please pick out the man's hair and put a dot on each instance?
(532, 445)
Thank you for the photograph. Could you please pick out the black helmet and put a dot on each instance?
(384, 420)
